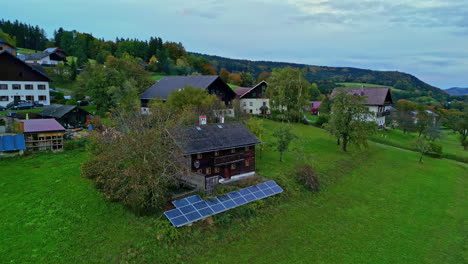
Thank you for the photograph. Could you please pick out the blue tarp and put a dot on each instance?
(14, 142)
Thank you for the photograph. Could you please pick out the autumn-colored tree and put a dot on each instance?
(235, 78)
(224, 74)
(263, 76)
(207, 69)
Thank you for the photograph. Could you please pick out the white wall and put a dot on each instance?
(380, 120)
(256, 104)
(46, 60)
(23, 92)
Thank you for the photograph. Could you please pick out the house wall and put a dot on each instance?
(252, 105)
(44, 61)
(8, 49)
(225, 163)
(22, 93)
(380, 120)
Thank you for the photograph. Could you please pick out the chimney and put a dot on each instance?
(202, 120)
(221, 119)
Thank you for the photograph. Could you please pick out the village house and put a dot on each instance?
(49, 57)
(69, 116)
(314, 107)
(216, 153)
(20, 81)
(5, 46)
(41, 134)
(162, 88)
(254, 100)
(377, 99)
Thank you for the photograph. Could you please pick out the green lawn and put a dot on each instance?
(449, 141)
(22, 111)
(24, 51)
(378, 206)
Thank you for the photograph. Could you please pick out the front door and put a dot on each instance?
(227, 173)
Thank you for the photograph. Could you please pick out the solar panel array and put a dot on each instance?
(194, 208)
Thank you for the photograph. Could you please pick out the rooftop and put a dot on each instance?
(41, 125)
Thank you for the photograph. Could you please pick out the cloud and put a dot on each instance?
(414, 13)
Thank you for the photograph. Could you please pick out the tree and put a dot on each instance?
(283, 137)
(422, 146)
(263, 76)
(255, 125)
(224, 74)
(349, 120)
(191, 97)
(458, 122)
(136, 161)
(314, 92)
(235, 78)
(246, 79)
(289, 93)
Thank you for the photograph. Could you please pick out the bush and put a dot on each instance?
(322, 119)
(306, 175)
(435, 150)
(71, 144)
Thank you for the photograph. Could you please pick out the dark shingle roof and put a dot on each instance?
(212, 137)
(57, 110)
(373, 95)
(167, 85)
(34, 67)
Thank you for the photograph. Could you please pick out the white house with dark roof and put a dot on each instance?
(49, 57)
(20, 81)
(377, 99)
(254, 100)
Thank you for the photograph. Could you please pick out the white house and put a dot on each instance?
(20, 81)
(49, 57)
(377, 99)
(253, 100)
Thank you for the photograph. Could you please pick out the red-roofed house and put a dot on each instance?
(41, 134)
(254, 100)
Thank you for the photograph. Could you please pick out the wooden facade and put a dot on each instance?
(44, 141)
(224, 163)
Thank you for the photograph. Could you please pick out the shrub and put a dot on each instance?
(322, 119)
(307, 175)
(435, 150)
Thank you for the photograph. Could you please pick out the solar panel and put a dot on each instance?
(194, 208)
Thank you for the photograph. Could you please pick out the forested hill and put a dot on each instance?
(406, 85)
(457, 91)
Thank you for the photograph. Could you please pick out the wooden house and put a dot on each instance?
(217, 153)
(5, 46)
(41, 134)
(162, 88)
(377, 99)
(254, 100)
(69, 116)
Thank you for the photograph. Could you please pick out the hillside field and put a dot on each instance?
(377, 205)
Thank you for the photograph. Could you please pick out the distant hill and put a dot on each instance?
(457, 91)
(406, 85)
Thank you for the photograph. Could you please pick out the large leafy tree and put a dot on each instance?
(289, 93)
(458, 122)
(283, 138)
(349, 120)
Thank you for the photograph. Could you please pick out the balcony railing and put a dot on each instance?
(229, 159)
(384, 113)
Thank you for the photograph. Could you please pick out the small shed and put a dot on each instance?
(41, 134)
(69, 116)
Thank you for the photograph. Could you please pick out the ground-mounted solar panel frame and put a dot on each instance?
(194, 208)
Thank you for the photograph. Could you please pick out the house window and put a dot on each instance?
(199, 171)
(3, 86)
(16, 86)
(216, 153)
(199, 156)
(3, 98)
(28, 86)
(42, 98)
(247, 163)
(251, 103)
(233, 150)
(16, 98)
(247, 148)
(208, 171)
(41, 87)
(251, 111)
(233, 166)
(216, 170)
(244, 103)
(29, 97)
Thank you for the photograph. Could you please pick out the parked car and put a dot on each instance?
(23, 106)
(12, 114)
(83, 103)
(15, 103)
(2, 108)
(37, 104)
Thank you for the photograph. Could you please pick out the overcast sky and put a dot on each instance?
(427, 38)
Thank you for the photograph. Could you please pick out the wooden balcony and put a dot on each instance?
(228, 159)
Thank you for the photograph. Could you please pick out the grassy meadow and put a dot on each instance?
(377, 205)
